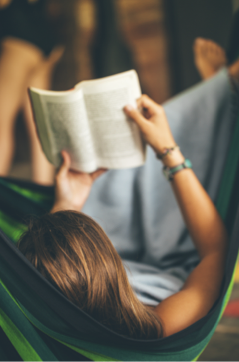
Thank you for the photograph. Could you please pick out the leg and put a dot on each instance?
(18, 59)
(42, 170)
(210, 58)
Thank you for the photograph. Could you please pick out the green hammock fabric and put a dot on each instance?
(38, 330)
(229, 174)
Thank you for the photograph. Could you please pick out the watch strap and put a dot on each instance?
(170, 172)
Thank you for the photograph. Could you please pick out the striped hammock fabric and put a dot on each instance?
(38, 323)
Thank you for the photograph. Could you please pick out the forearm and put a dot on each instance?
(202, 287)
(200, 215)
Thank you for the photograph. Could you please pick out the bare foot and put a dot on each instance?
(234, 70)
(209, 57)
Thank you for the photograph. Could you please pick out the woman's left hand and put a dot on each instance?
(72, 188)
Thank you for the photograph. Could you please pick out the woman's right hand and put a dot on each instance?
(152, 123)
(155, 129)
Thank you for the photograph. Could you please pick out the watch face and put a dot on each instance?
(188, 163)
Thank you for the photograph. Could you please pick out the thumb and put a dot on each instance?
(65, 166)
(134, 114)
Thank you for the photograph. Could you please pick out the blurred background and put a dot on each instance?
(155, 37)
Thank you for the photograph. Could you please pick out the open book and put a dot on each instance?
(88, 121)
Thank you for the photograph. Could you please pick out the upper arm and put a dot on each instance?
(196, 298)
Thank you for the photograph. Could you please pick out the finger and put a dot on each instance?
(134, 114)
(98, 173)
(145, 102)
(65, 166)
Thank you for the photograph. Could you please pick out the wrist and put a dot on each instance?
(57, 207)
(172, 157)
(169, 172)
(62, 206)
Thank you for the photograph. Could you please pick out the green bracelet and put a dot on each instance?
(170, 172)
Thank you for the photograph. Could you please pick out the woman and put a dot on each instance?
(74, 253)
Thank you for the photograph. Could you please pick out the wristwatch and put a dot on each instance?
(170, 172)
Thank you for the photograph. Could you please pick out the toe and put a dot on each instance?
(198, 43)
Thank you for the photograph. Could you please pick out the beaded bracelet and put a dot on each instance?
(166, 152)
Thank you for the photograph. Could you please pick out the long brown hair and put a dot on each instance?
(73, 252)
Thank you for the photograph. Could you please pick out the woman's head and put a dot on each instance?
(73, 252)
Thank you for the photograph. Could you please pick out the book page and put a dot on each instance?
(117, 140)
(68, 129)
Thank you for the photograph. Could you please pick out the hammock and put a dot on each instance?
(38, 323)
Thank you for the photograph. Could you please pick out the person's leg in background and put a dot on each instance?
(42, 170)
(18, 61)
